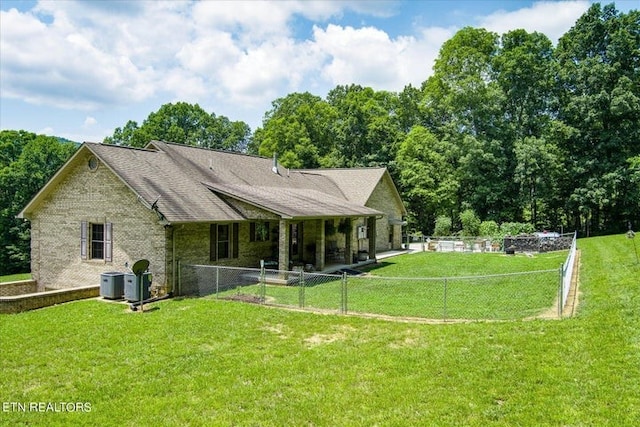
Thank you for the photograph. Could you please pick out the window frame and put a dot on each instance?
(232, 245)
(88, 231)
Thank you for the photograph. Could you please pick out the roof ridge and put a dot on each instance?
(340, 169)
(216, 150)
(128, 147)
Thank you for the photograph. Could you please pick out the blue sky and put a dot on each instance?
(79, 69)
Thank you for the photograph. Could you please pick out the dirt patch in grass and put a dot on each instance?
(253, 299)
(319, 339)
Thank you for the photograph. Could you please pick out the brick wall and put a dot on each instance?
(99, 197)
(18, 303)
(383, 199)
(18, 288)
(192, 242)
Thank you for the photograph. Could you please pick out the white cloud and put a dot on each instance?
(368, 56)
(269, 70)
(207, 53)
(46, 131)
(62, 65)
(99, 55)
(89, 122)
(550, 18)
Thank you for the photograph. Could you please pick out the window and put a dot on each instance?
(96, 241)
(259, 232)
(224, 241)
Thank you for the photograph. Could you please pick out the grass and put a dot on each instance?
(449, 264)
(212, 362)
(15, 277)
(395, 291)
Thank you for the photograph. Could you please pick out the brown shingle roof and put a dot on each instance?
(293, 202)
(190, 184)
(356, 184)
(152, 174)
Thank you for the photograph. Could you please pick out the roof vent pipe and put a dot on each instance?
(274, 169)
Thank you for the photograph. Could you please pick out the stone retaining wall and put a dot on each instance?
(31, 301)
(538, 244)
(19, 287)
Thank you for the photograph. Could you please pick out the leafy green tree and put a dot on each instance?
(365, 130)
(599, 98)
(426, 177)
(515, 228)
(536, 171)
(464, 106)
(470, 223)
(524, 69)
(28, 162)
(488, 229)
(298, 130)
(442, 226)
(184, 123)
(409, 111)
(461, 85)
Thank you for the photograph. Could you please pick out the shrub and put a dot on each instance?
(443, 226)
(470, 223)
(489, 229)
(515, 228)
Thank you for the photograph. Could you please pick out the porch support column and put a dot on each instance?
(348, 259)
(283, 245)
(320, 244)
(371, 233)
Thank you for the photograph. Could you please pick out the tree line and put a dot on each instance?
(507, 129)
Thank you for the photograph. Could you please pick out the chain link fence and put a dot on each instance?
(491, 297)
(533, 243)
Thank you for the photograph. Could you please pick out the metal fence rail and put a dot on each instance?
(567, 274)
(503, 296)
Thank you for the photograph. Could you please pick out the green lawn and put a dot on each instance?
(213, 362)
(15, 277)
(394, 289)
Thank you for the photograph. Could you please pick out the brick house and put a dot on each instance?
(109, 206)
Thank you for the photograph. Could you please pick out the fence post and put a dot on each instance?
(263, 283)
(444, 302)
(301, 290)
(561, 291)
(217, 280)
(179, 281)
(343, 302)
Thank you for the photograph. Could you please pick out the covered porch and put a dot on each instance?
(323, 244)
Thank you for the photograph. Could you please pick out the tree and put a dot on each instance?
(599, 99)
(536, 171)
(426, 177)
(184, 123)
(524, 70)
(298, 130)
(365, 130)
(463, 106)
(29, 161)
(461, 84)
(442, 226)
(470, 223)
